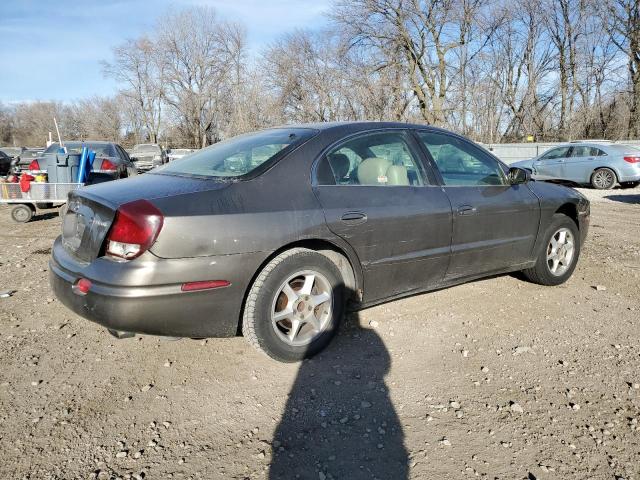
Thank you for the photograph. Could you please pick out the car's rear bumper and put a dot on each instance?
(157, 309)
(629, 178)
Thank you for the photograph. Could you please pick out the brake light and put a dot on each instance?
(135, 228)
(632, 159)
(34, 165)
(108, 165)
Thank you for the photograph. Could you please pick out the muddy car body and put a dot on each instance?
(322, 214)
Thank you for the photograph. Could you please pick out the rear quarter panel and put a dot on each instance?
(262, 214)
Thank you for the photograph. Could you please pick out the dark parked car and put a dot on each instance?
(23, 156)
(111, 161)
(6, 162)
(13, 152)
(273, 233)
(148, 155)
(27, 156)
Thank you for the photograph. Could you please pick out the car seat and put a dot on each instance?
(373, 171)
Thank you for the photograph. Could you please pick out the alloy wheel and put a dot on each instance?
(302, 308)
(560, 251)
(603, 179)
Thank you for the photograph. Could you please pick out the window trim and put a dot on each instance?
(432, 163)
(428, 178)
(256, 172)
(569, 152)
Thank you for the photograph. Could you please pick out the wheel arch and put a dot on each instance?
(345, 260)
(571, 211)
(608, 167)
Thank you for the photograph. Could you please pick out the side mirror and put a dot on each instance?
(518, 176)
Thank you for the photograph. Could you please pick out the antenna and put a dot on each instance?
(58, 130)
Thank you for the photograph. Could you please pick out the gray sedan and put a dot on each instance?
(599, 165)
(276, 233)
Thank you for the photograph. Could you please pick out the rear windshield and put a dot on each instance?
(239, 155)
(146, 149)
(104, 149)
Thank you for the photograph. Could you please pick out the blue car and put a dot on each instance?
(599, 165)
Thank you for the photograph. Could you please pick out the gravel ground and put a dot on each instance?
(498, 378)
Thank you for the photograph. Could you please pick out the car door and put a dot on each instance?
(550, 165)
(582, 162)
(377, 196)
(495, 224)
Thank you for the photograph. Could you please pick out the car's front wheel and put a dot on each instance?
(294, 306)
(558, 258)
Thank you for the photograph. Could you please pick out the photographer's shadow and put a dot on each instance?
(339, 419)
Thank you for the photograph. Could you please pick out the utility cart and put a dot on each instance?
(39, 194)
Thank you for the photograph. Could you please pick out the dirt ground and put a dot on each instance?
(498, 378)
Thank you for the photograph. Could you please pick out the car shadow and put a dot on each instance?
(339, 421)
(44, 216)
(633, 198)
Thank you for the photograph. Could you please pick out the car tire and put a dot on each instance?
(603, 179)
(286, 323)
(543, 272)
(22, 213)
(629, 184)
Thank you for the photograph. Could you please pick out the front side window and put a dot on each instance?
(461, 163)
(382, 159)
(555, 153)
(239, 155)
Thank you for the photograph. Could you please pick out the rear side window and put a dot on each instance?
(461, 163)
(239, 155)
(586, 151)
(381, 159)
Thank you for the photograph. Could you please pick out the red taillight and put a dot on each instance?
(206, 285)
(34, 165)
(108, 165)
(632, 159)
(135, 228)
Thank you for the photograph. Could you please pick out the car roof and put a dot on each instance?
(79, 142)
(358, 125)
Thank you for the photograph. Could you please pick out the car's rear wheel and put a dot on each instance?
(558, 258)
(629, 184)
(22, 213)
(603, 179)
(294, 306)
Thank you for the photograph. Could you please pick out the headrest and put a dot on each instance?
(373, 171)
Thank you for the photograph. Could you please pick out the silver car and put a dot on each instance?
(597, 164)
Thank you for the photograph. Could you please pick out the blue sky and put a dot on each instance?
(51, 49)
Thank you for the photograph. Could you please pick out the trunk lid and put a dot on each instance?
(91, 210)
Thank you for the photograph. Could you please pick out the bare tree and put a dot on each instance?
(200, 57)
(622, 21)
(136, 65)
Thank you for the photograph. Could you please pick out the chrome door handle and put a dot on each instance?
(354, 218)
(466, 210)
